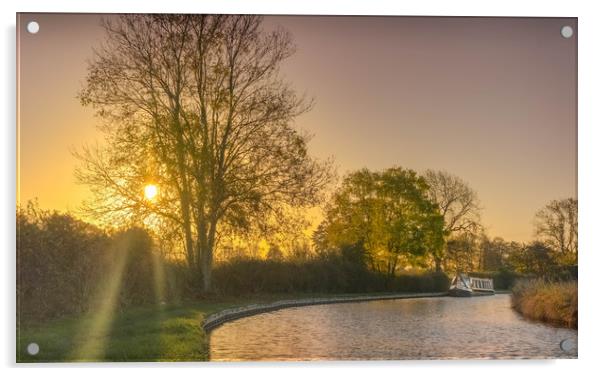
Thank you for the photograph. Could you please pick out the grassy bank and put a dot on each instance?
(144, 334)
(136, 334)
(551, 302)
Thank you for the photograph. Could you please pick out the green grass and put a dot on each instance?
(143, 334)
(551, 302)
(169, 333)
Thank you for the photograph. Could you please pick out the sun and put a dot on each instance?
(150, 191)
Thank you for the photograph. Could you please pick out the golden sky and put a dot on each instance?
(492, 100)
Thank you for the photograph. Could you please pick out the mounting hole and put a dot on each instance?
(33, 348)
(33, 27)
(568, 345)
(566, 31)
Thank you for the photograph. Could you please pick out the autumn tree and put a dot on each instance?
(388, 213)
(556, 227)
(457, 203)
(195, 105)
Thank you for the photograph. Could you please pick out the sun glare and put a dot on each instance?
(150, 191)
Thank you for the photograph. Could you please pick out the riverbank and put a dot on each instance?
(551, 302)
(153, 333)
(168, 333)
(219, 318)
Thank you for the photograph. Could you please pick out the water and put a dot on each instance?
(426, 328)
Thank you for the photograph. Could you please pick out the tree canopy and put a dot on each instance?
(195, 105)
(388, 212)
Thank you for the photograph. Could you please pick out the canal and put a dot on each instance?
(425, 328)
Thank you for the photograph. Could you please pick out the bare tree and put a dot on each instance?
(556, 226)
(458, 203)
(195, 105)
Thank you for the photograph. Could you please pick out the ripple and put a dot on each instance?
(426, 328)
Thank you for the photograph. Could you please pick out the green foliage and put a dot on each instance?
(389, 213)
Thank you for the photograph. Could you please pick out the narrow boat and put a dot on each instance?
(465, 286)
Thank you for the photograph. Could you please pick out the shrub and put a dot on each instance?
(326, 274)
(66, 266)
(58, 263)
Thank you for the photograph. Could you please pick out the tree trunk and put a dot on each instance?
(207, 266)
(187, 230)
(207, 261)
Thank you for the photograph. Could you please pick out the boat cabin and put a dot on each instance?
(463, 285)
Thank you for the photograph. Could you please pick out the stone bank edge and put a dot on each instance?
(219, 318)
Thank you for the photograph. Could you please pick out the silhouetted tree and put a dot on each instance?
(457, 202)
(195, 105)
(556, 226)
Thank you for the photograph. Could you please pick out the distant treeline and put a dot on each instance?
(67, 266)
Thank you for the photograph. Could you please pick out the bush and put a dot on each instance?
(59, 260)
(325, 274)
(66, 266)
(553, 302)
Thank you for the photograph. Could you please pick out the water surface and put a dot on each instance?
(425, 328)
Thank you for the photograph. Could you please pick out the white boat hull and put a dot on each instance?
(464, 286)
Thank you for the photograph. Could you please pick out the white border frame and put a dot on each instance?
(590, 123)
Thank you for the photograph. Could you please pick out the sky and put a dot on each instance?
(491, 100)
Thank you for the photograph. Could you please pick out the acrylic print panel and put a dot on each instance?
(196, 188)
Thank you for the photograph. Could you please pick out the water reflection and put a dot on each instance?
(428, 328)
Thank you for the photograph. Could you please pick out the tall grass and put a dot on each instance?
(552, 302)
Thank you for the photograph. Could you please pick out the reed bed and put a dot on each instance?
(551, 302)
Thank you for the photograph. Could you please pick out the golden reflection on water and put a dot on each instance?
(427, 328)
